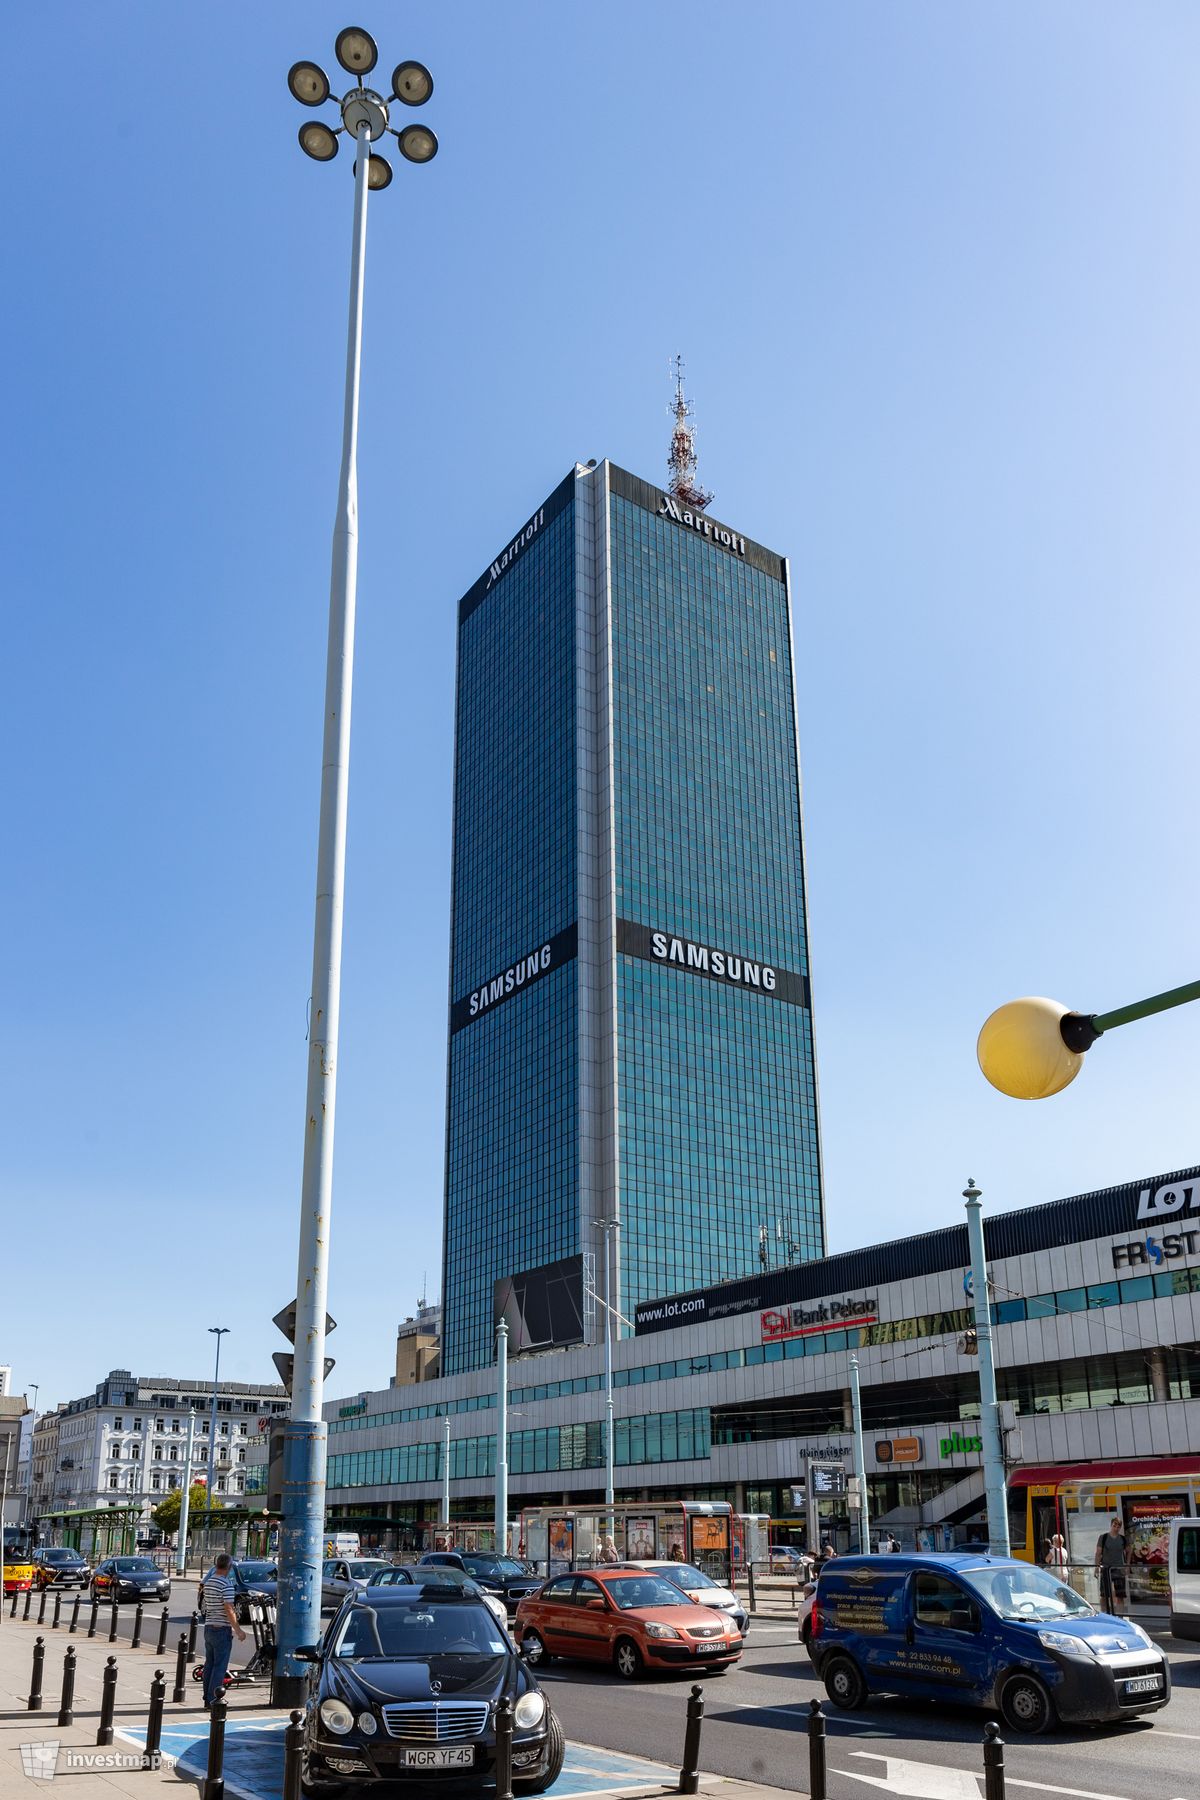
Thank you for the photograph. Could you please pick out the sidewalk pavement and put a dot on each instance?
(34, 1749)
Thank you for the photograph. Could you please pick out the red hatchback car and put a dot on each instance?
(634, 1621)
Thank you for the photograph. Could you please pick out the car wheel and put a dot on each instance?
(534, 1650)
(844, 1684)
(1026, 1705)
(806, 1635)
(627, 1659)
(556, 1750)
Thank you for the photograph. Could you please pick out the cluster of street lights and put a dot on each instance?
(364, 110)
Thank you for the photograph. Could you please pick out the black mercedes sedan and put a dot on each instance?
(502, 1575)
(405, 1686)
(130, 1578)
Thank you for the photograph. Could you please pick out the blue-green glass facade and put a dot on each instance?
(511, 1159)
(631, 1034)
(717, 1086)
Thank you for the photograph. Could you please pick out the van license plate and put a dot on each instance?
(1144, 1684)
(462, 1757)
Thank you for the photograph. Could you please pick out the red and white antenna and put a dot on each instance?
(682, 460)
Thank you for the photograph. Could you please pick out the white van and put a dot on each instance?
(341, 1543)
(1184, 1575)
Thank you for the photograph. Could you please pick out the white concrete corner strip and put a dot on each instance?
(931, 1781)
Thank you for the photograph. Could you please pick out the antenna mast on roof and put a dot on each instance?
(682, 460)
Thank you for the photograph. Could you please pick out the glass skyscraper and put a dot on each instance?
(630, 1022)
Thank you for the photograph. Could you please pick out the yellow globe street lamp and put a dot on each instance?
(1034, 1047)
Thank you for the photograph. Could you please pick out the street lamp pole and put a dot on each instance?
(860, 1460)
(995, 1486)
(364, 119)
(446, 1479)
(502, 1438)
(217, 1331)
(185, 1503)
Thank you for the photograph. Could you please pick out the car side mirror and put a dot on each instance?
(309, 1653)
(596, 1606)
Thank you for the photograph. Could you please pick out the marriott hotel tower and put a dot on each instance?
(630, 1021)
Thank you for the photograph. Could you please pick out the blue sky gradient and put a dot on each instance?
(934, 272)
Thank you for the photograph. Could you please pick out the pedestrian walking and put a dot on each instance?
(1112, 1560)
(1056, 1556)
(220, 1627)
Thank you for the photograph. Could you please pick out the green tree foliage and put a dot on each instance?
(166, 1513)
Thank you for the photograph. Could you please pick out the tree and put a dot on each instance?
(166, 1513)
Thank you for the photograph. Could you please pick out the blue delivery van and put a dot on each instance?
(984, 1631)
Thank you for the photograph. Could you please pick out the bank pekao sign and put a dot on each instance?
(807, 1321)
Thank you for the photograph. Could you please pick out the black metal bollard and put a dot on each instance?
(816, 1752)
(94, 1616)
(993, 1762)
(28, 1604)
(74, 1625)
(108, 1700)
(750, 1576)
(192, 1637)
(136, 1642)
(57, 1610)
(293, 1740)
(66, 1704)
(504, 1743)
(158, 1693)
(41, 1618)
(179, 1691)
(35, 1683)
(160, 1649)
(112, 1629)
(689, 1774)
(12, 1611)
(214, 1780)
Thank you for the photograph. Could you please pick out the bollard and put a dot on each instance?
(816, 1752)
(158, 1693)
(12, 1611)
(504, 1743)
(160, 1649)
(42, 1606)
(689, 1775)
(214, 1780)
(750, 1574)
(293, 1740)
(74, 1625)
(57, 1609)
(66, 1704)
(94, 1617)
(108, 1700)
(179, 1691)
(35, 1684)
(112, 1629)
(28, 1603)
(993, 1762)
(192, 1637)
(136, 1641)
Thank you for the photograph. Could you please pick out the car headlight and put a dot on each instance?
(529, 1711)
(337, 1716)
(1063, 1642)
(655, 1630)
(366, 1724)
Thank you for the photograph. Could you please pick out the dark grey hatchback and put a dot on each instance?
(405, 1687)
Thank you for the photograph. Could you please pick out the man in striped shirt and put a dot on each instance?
(220, 1624)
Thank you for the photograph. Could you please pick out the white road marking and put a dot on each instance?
(914, 1772)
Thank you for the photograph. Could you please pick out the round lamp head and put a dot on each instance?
(1021, 1049)
(417, 143)
(308, 83)
(356, 51)
(379, 171)
(412, 83)
(318, 140)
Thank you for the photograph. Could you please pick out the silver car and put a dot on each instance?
(343, 1575)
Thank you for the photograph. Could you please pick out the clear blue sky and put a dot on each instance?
(934, 270)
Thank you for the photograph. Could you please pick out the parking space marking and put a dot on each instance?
(913, 1772)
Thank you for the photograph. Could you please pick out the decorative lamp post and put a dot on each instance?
(1033, 1048)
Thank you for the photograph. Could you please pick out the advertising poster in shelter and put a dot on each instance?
(561, 1545)
(670, 1540)
(639, 1540)
(1148, 1536)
